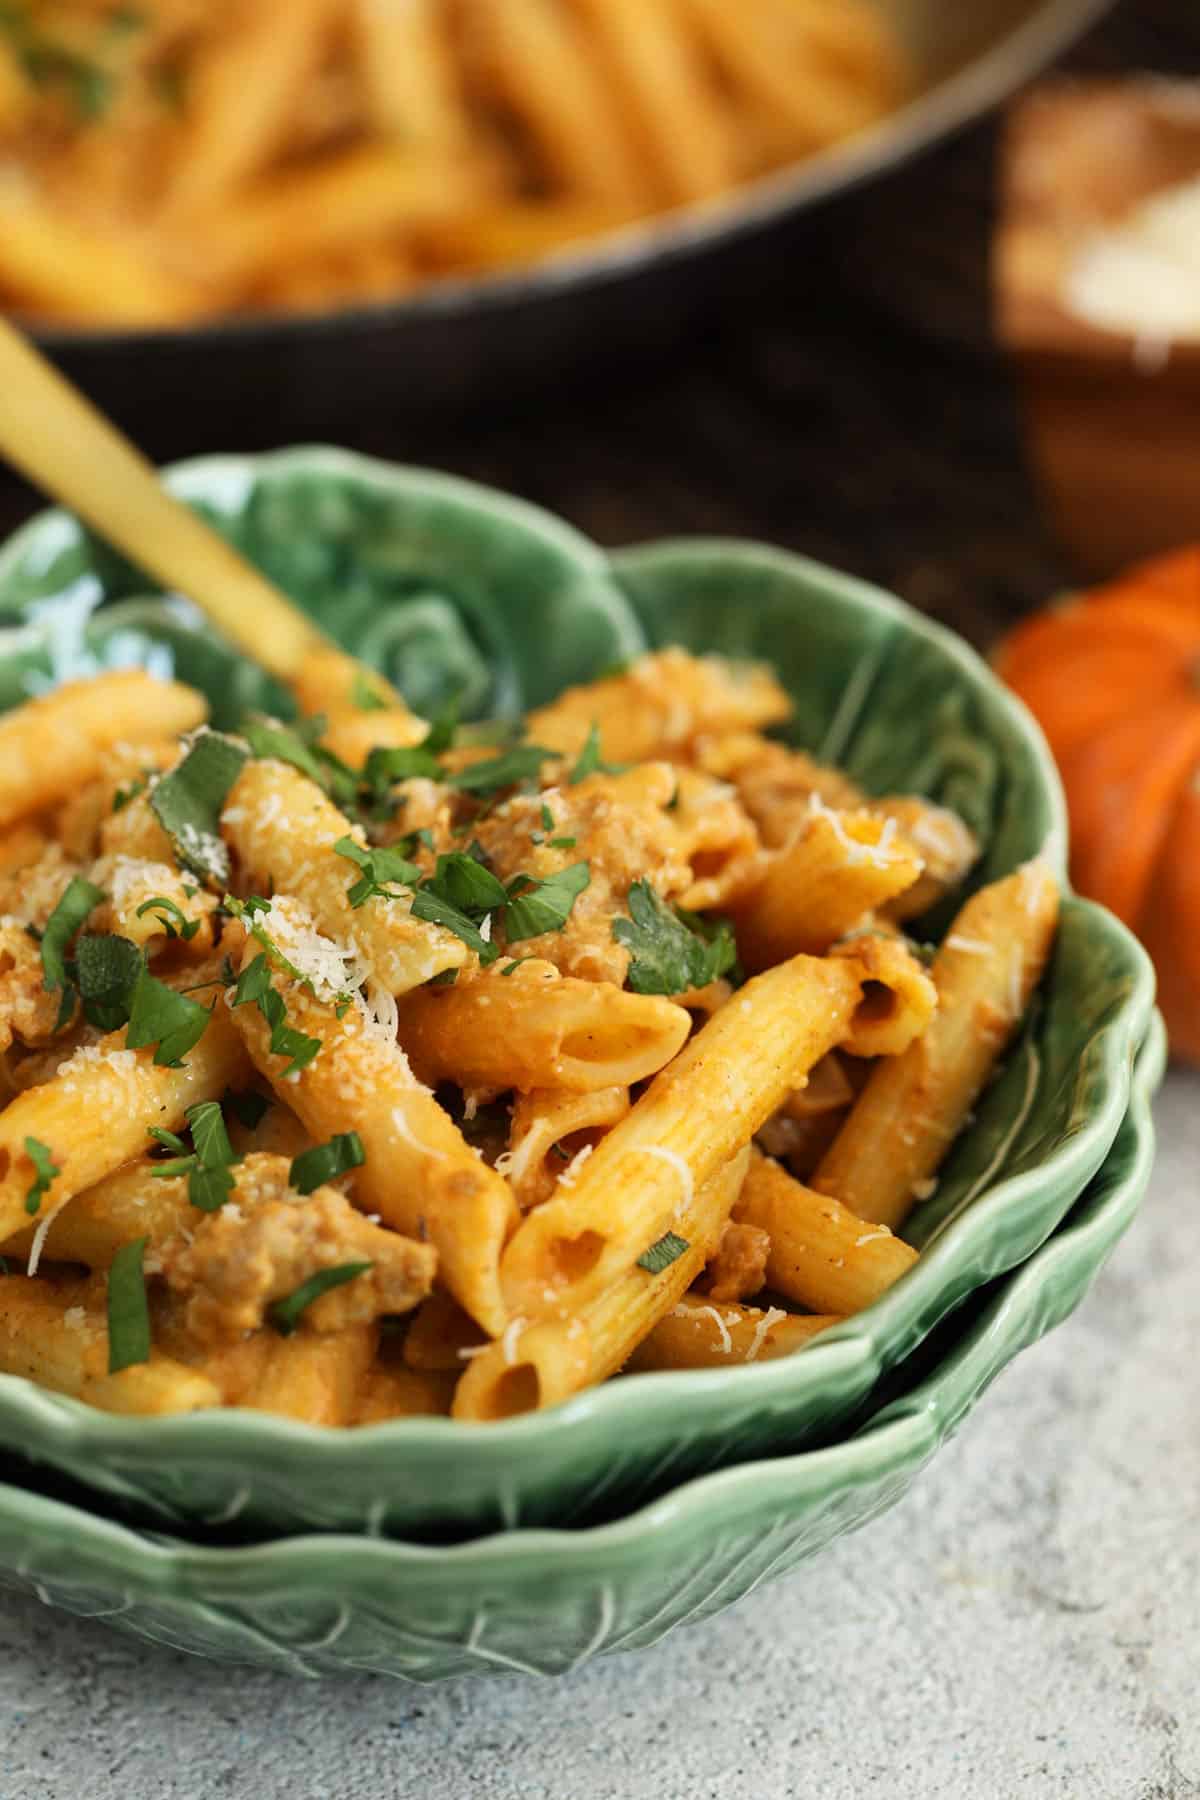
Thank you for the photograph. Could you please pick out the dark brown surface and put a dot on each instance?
(847, 403)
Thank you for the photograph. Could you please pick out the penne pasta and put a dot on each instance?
(701, 1334)
(419, 1174)
(214, 974)
(82, 720)
(660, 705)
(50, 1336)
(94, 1114)
(538, 1029)
(822, 1255)
(537, 1367)
(693, 1118)
(553, 1133)
(282, 830)
(910, 1111)
(841, 867)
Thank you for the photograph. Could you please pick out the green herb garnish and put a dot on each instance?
(188, 802)
(427, 905)
(128, 1313)
(662, 1253)
(325, 1162)
(106, 971)
(160, 1015)
(285, 1314)
(544, 905)
(668, 955)
(168, 911)
(124, 795)
(522, 763)
(381, 870)
(45, 1169)
(273, 742)
(79, 900)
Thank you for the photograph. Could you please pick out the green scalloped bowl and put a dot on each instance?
(545, 1602)
(448, 586)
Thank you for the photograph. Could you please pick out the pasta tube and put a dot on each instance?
(81, 720)
(693, 1118)
(663, 702)
(282, 830)
(95, 1113)
(822, 1255)
(696, 1334)
(841, 867)
(538, 1029)
(913, 1106)
(541, 1121)
(420, 1175)
(49, 1337)
(899, 995)
(535, 1368)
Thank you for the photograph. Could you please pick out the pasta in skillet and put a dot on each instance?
(359, 1068)
(165, 162)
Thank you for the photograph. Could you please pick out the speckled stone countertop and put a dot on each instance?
(1025, 1623)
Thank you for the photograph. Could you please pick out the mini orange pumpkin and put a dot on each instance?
(1113, 678)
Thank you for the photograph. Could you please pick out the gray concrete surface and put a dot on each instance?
(1027, 1624)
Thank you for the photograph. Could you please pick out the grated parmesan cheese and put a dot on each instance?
(924, 1190)
(771, 1317)
(971, 946)
(676, 1162)
(509, 1342)
(570, 1174)
(726, 1340)
(75, 1318)
(868, 1237)
(877, 855)
(39, 1236)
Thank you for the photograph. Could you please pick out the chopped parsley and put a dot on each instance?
(128, 1313)
(543, 905)
(381, 870)
(124, 795)
(523, 762)
(662, 1253)
(209, 1166)
(285, 1314)
(429, 906)
(465, 881)
(189, 800)
(44, 1171)
(79, 900)
(273, 742)
(547, 818)
(588, 761)
(253, 987)
(670, 954)
(167, 912)
(162, 1016)
(285, 1040)
(325, 1162)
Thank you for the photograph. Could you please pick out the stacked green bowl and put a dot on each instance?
(424, 1547)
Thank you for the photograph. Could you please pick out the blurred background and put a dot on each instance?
(825, 348)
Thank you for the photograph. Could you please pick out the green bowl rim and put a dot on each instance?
(908, 1432)
(74, 1426)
